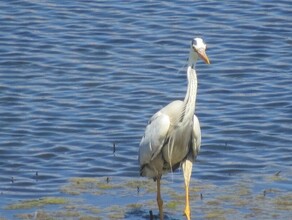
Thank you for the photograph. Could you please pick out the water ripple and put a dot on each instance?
(78, 78)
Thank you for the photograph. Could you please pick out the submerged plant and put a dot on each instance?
(28, 204)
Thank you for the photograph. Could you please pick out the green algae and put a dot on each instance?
(116, 212)
(93, 210)
(213, 202)
(80, 185)
(89, 218)
(284, 202)
(139, 197)
(215, 214)
(134, 206)
(65, 214)
(277, 177)
(219, 213)
(28, 204)
(172, 205)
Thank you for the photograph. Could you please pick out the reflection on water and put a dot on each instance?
(77, 77)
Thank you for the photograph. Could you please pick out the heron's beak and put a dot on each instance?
(203, 56)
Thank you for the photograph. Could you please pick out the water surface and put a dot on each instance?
(77, 77)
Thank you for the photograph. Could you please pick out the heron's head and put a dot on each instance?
(199, 48)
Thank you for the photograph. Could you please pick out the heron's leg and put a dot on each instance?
(159, 199)
(187, 171)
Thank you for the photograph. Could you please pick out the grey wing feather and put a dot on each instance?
(154, 137)
(196, 139)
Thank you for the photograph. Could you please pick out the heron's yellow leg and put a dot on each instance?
(187, 170)
(159, 199)
(187, 208)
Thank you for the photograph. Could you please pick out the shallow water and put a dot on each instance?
(78, 77)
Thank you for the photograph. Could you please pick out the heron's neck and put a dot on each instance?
(190, 98)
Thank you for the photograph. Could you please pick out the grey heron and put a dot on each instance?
(173, 135)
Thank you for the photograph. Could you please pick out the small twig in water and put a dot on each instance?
(36, 175)
(114, 148)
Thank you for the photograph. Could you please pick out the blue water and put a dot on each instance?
(77, 77)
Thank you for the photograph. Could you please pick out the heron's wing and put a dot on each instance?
(196, 136)
(154, 137)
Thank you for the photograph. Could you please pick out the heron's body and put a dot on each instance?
(169, 136)
(173, 135)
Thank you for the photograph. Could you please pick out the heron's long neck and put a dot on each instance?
(190, 99)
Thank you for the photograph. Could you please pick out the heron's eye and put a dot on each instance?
(193, 42)
(206, 47)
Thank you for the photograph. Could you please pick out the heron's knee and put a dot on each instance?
(159, 201)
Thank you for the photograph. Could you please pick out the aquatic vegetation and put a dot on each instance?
(132, 183)
(92, 209)
(94, 198)
(284, 202)
(89, 218)
(243, 190)
(44, 215)
(27, 204)
(135, 206)
(215, 214)
(116, 212)
(79, 185)
(172, 204)
(213, 202)
(277, 177)
(225, 198)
